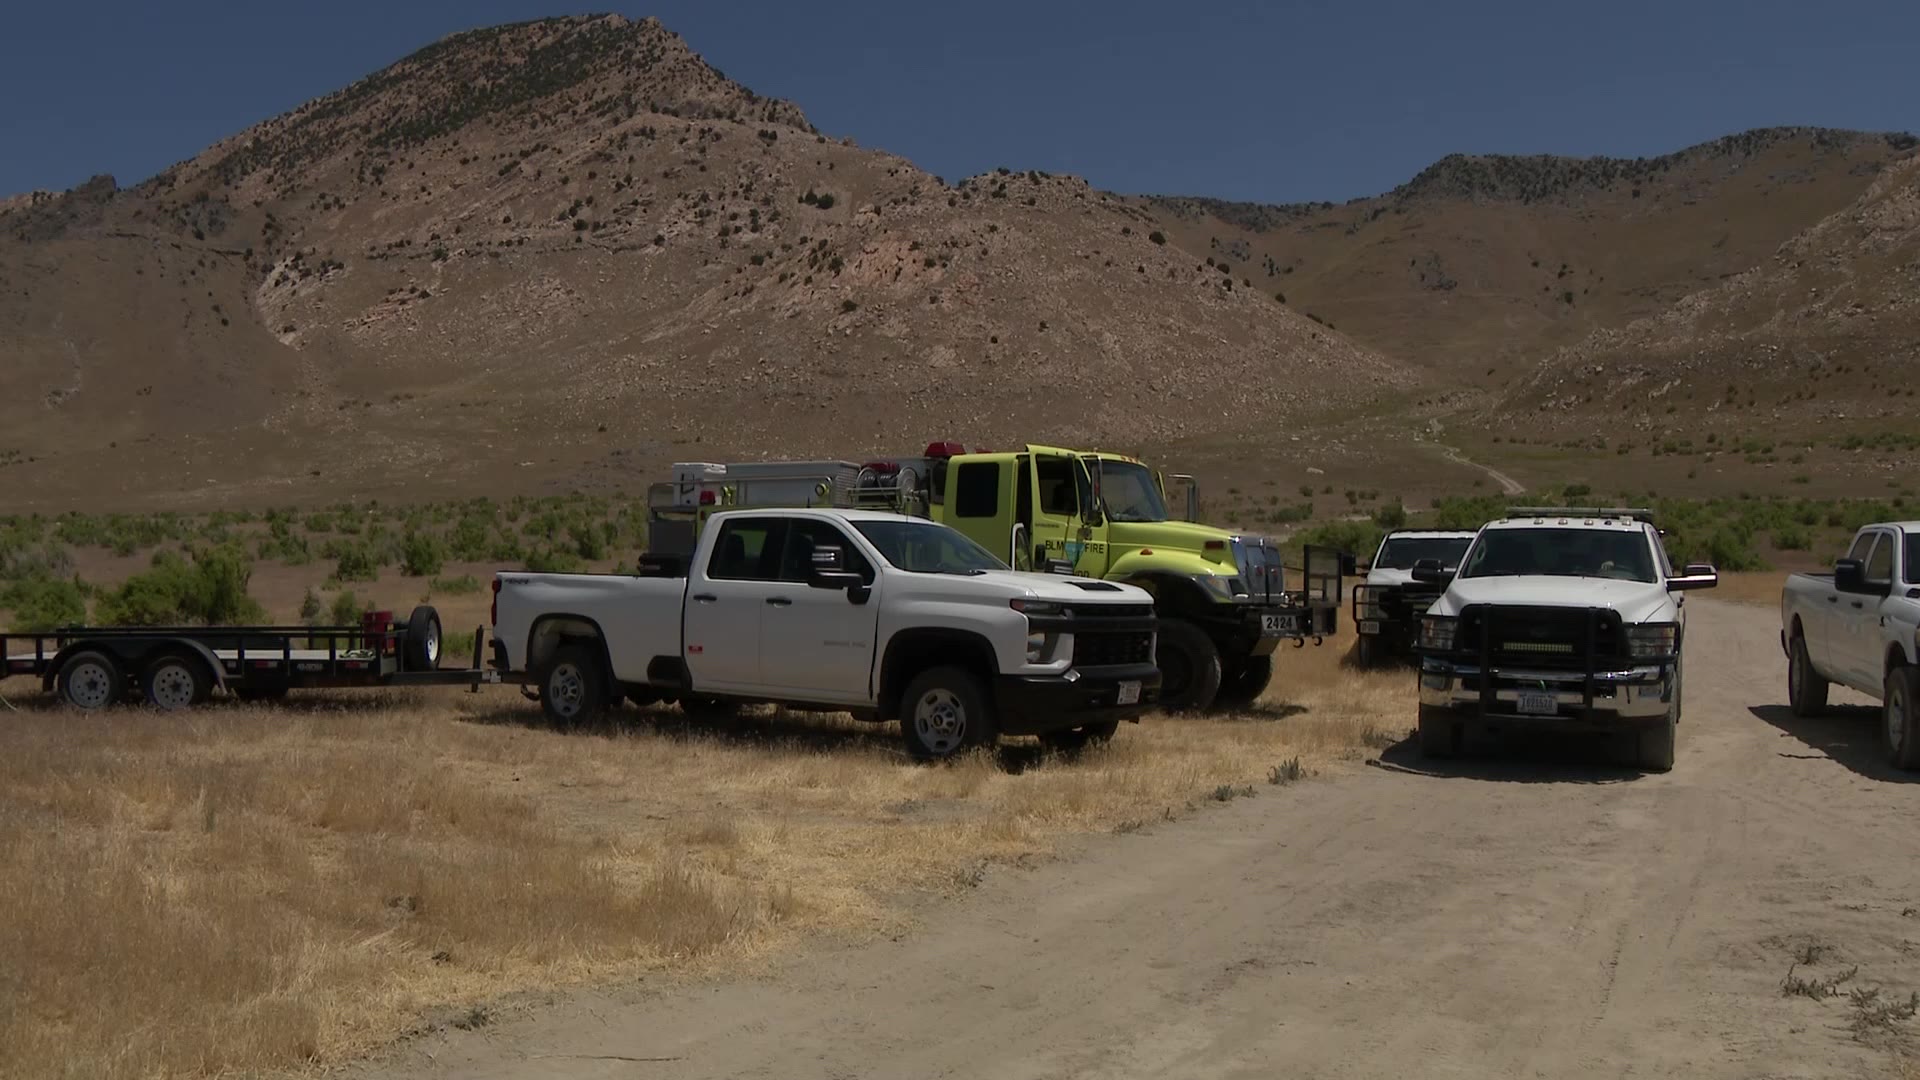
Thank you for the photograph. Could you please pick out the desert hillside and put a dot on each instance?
(571, 249)
(1824, 331)
(1481, 264)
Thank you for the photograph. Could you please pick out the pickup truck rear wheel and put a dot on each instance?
(1806, 690)
(1190, 669)
(1900, 708)
(573, 686)
(945, 711)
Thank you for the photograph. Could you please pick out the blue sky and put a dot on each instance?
(1274, 101)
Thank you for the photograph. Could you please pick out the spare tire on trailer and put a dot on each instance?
(421, 650)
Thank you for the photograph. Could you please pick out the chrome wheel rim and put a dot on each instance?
(566, 690)
(940, 720)
(433, 645)
(171, 687)
(90, 686)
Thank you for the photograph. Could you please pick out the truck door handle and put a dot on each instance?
(1857, 604)
(704, 598)
(1833, 599)
(779, 601)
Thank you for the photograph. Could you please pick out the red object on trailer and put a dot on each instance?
(376, 627)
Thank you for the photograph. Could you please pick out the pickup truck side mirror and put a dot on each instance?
(1850, 575)
(1694, 576)
(1430, 572)
(826, 570)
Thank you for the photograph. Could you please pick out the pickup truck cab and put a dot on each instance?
(1387, 606)
(1565, 618)
(881, 615)
(1860, 627)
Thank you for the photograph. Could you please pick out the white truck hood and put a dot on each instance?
(1384, 577)
(1636, 601)
(1016, 584)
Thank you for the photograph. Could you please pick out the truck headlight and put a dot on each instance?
(1369, 601)
(1437, 632)
(1650, 641)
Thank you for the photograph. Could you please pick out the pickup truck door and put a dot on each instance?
(1823, 624)
(721, 630)
(1855, 628)
(817, 644)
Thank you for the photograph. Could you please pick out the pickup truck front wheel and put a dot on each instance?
(945, 711)
(573, 686)
(1806, 690)
(1900, 704)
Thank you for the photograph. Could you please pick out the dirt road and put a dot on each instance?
(1525, 914)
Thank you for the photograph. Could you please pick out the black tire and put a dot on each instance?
(1190, 669)
(709, 708)
(90, 681)
(1366, 651)
(1806, 690)
(260, 693)
(421, 650)
(1439, 733)
(946, 711)
(1246, 682)
(175, 681)
(1657, 743)
(573, 685)
(1074, 739)
(1900, 717)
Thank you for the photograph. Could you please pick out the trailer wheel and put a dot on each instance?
(422, 652)
(573, 687)
(173, 682)
(91, 681)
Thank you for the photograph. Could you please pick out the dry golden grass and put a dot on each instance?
(259, 888)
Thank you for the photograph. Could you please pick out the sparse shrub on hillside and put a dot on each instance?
(39, 604)
(1391, 517)
(209, 590)
(310, 609)
(1157, 236)
(1358, 537)
(848, 306)
(547, 560)
(422, 554)
(346, 609)
(464, 585)
(355, 562)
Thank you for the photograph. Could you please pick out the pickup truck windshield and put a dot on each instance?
(1602, 553)
(1401, 552)
(1130, 493)
(926, 548)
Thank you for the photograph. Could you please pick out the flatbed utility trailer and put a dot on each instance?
(177, 667)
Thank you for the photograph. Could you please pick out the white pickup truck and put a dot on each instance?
(1860, 627)
(879, 615)
(1559, 617)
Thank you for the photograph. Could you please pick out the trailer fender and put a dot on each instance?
(131, 653)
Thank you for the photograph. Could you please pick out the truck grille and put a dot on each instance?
(1552, 638)
(1115, 611)
(1407, 602)
(1108, 648)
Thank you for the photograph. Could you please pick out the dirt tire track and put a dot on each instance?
(1527, 913)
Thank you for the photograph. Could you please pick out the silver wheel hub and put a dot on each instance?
(433, 646)
(940, 720)
(566, 689)
(90, 686)
(171, 687)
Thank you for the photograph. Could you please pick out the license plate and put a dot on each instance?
(1279, 624)
(1368, 626)
(1129, 693)
(1538, 703)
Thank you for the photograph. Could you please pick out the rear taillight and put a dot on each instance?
(493, 610)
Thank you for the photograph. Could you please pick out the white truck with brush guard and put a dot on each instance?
(1860, 627)
(1569, 618)
(881, 615)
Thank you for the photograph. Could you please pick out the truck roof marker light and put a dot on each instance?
(1215, 545)
(707, 498)
(944, 448)
(1146, 551)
